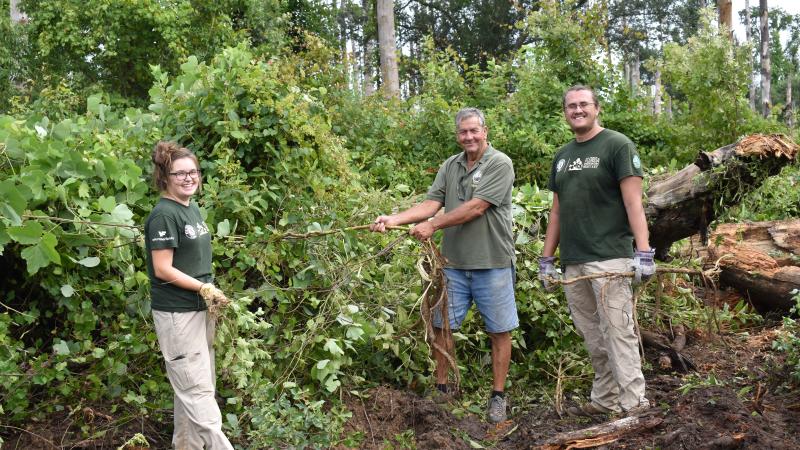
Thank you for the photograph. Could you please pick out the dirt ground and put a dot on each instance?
(733, 400)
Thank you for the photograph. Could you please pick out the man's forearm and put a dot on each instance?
(417, 213)
(467, 212)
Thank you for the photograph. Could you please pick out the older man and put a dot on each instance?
(474, 187)
(596, 217)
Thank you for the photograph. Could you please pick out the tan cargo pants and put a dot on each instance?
(187, 342)
(602, 311)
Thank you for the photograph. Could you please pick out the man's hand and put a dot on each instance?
(381, 222)
(423, 230)
(643, 265)
(547, 270)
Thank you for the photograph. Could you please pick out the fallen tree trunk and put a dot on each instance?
(599, 434)
(760, 259)
(686, 202)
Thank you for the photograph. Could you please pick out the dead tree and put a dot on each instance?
(686, 202)
(766, 69)
(761, 259)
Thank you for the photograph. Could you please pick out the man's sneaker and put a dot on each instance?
(592, 410)
(643, 407)
(496, 411)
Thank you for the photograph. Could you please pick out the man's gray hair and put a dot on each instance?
(466, 113)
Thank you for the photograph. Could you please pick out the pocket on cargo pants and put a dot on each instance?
(185, 372)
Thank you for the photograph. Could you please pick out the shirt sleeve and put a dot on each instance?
(439, 187)
(495, 183)
(627, 161)
(163, 233)
(551, 182)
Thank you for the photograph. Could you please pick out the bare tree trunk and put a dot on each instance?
(343, 39)
(368, 49)
(657, 95)
(388, 49)
(725, 8)
(748, 32)
(669, 107)
(789, 109)
(766, 72)
(17, 16)
(635, 74)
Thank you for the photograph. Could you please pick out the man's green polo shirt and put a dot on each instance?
(486, 242)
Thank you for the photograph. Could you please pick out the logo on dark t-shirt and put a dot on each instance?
(576, 165)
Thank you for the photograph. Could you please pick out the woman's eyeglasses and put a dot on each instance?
(182, 175)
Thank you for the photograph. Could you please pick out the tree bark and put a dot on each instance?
(657, 94)
(368, 49)
(17, 16)
(388, 48)
(766, 71)
(789, 108)
(686, 202)
(751, 87)
(725, 8)
(759, 259)
(598, 435)
(636, 67)
(343, 41)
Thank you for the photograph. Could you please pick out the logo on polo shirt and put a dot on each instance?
(476, 178)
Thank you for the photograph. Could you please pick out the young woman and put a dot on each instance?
(178, 246)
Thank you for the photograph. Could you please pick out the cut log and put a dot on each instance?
(686, 202)
(599, 434)
(760, 259)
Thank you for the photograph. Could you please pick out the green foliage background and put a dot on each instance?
(286, 145)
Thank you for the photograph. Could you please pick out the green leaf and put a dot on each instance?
(332, 384)
(28, 234)
(91, 261)
(98, 352)
(333, 347)
(223, 228)
(354, 333)
(190, 66)
(83, 190)
(42, 254)
(61, 348)
(121, 214)
(13, 204)
(67, 290)
(107, 204)
(93, 104)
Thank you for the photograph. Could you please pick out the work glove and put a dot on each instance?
(643, 265)
(547, 271)
(215, 300)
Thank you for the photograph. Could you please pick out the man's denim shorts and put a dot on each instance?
(492, 290)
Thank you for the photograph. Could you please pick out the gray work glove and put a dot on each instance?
(547, 270)
(644, 266)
